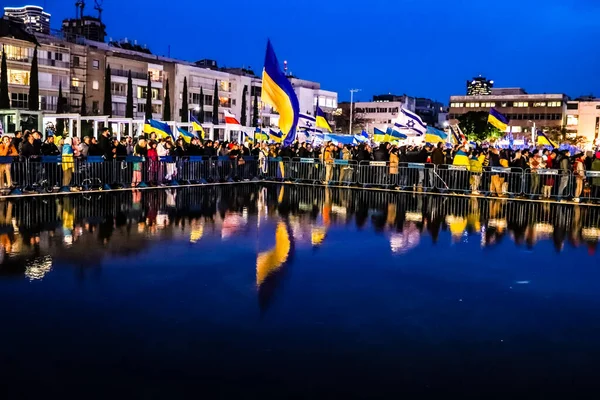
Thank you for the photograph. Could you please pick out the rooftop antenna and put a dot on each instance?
(98, 7)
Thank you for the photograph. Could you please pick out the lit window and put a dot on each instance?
(572, 120)
(96, 64)
(75, 82)
(17, 77)
(95, 85)
(542, 104)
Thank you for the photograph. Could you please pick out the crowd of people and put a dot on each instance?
(472, 159)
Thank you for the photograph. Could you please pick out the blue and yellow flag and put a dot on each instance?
(544, 140)
(395, 134)
(434, 136)
(321, 120)
(498, 120)
(278, 92)
(275, 136)
(379, 136)
(185, 135)
(260, 135)
(461, 159)
(197, 127)
(161, 129)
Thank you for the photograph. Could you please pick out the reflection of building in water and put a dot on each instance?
(83, 231)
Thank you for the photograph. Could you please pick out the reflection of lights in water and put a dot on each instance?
(402, 242)
(305, 207)
(196, 234)
(162, 220)
(590, 233)
(231, 225)
(245, 214)
(68, 240)
(338, 210)
(499, 224)
(37, 268)
(483, 236)
(413, 216)
(543, 230)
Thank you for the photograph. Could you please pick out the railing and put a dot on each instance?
(50, 174)
(124, 73)
(54, 63)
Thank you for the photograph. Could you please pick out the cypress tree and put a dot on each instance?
(83, 110)
(167, 104)
(129, 103)
(107, 105)
(255, 112)
(34, 84)
(201, 112)
(243, 117)
(4, 99)
(184, 104)
(215, 116)
(148, 99)
(60, 123)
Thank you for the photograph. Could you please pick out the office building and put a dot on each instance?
(479, 86)
(523, 110)
(583, 119)
(34, 17)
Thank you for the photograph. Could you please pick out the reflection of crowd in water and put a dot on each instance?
(81, 230)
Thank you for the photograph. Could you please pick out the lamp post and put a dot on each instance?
(352, 91)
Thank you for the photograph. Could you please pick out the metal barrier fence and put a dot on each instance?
(50, 173)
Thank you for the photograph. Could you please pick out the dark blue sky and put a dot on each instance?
(421, 48)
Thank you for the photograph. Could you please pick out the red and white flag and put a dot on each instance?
(230, 119)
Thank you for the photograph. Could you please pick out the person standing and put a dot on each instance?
(564, 167)
(596, 180)
(579, 174)
(68, 162)
(328, 160)
(7, 149)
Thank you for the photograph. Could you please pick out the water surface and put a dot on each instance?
(292, 291)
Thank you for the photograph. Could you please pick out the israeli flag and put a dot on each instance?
(409, 120)
(306, 121)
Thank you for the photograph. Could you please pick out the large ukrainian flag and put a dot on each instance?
(161, 129)
(544, 140)
(498, 120)
(461, 159)
(279, 93)
(434, 136)
(321, 120)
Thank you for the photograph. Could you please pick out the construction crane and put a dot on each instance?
(98, 7)
(79, 5)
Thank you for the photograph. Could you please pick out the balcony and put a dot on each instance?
(53, 63)
(134, 74)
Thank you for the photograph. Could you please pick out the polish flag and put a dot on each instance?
(230, 119)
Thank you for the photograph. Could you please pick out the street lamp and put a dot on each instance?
(352, 91)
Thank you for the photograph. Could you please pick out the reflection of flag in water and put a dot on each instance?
(317, 235)
(457, 225)
(268, 262)
(196, 233)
